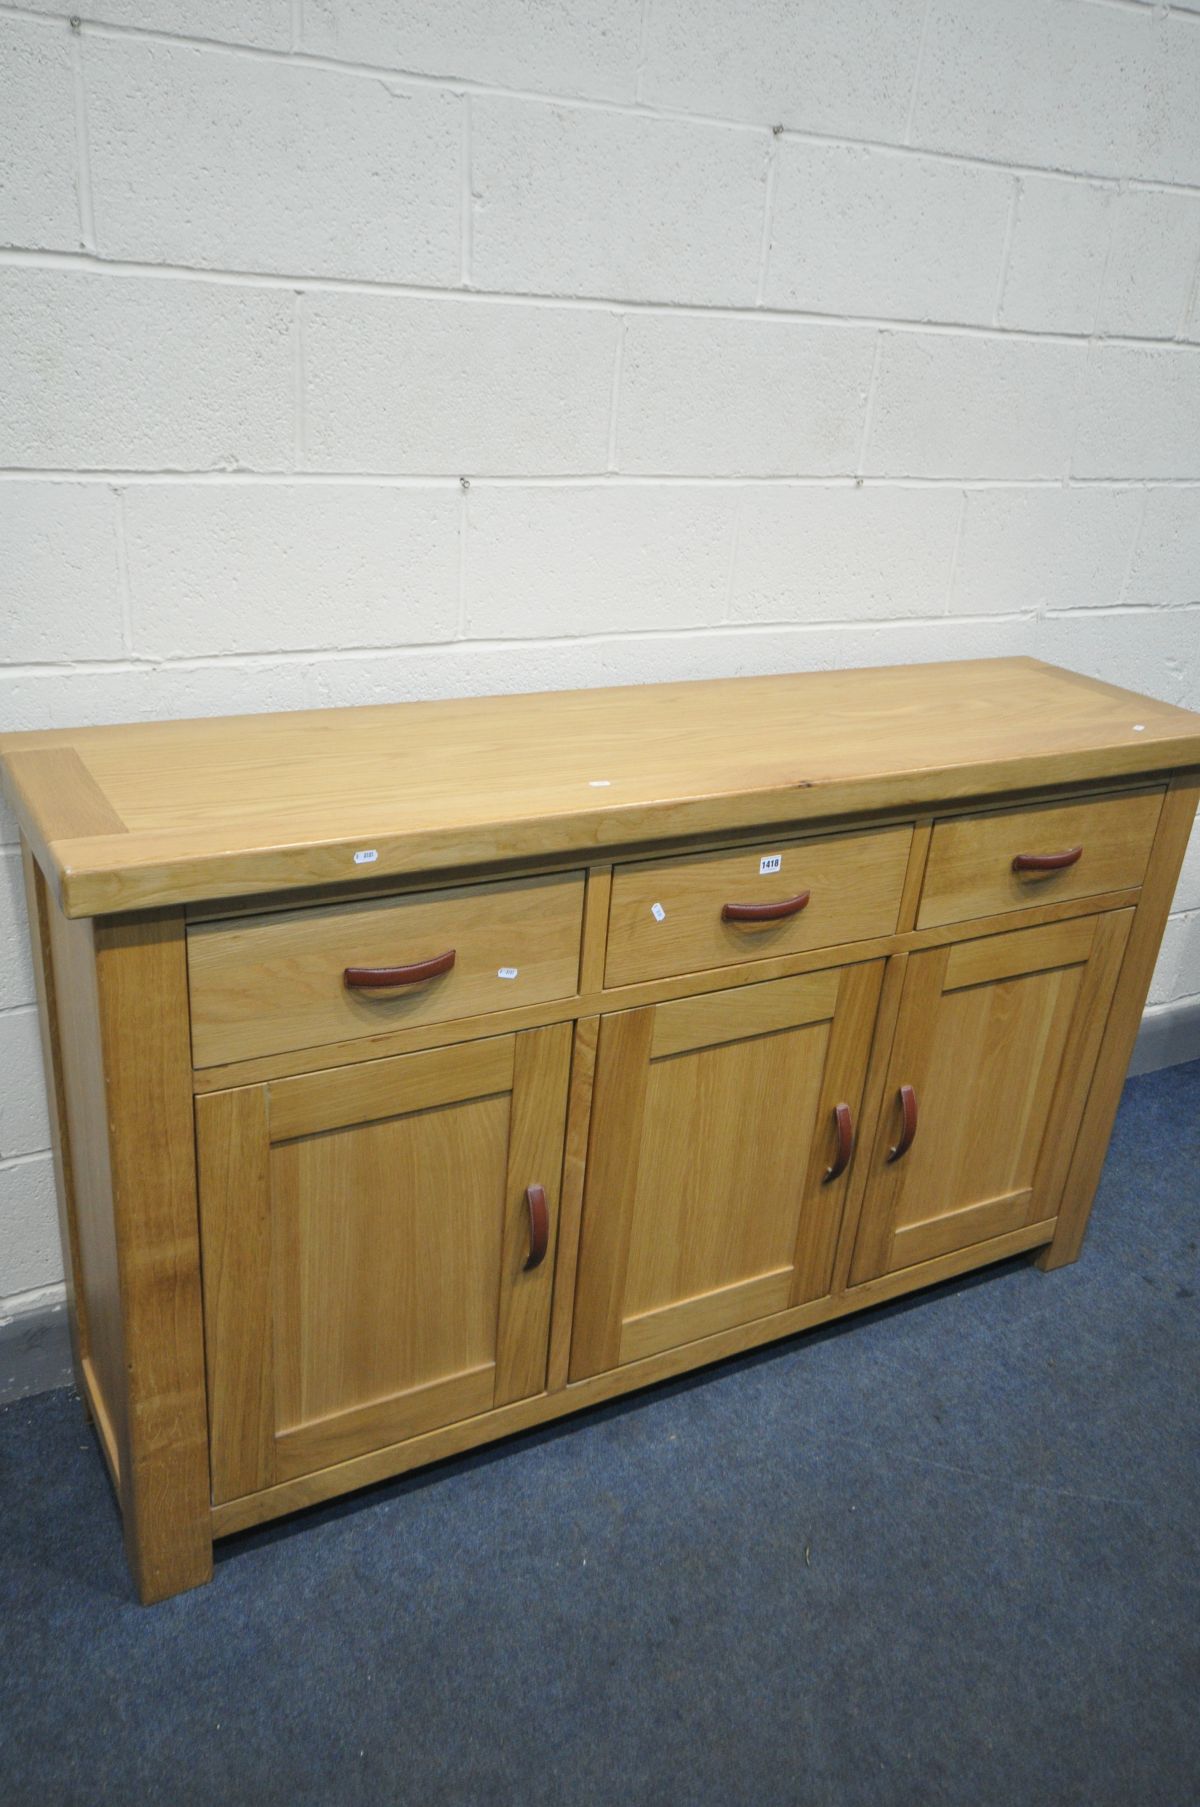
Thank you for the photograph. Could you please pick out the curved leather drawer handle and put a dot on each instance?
(1046, 862)
(908, 1127)
(539, 1226)
(375, 978)
(791, 906)
(845, 1147)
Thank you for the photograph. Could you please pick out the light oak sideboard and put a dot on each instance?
(421, 1073)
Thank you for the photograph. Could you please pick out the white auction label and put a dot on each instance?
(770, 862)
(657, 911)
(366, 855)
(506, 972)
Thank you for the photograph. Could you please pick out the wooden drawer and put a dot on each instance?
(970, 870)
(267, 984)
(666, 916)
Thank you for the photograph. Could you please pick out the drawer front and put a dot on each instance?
(970, 870)
(668, 916)
(269, 984)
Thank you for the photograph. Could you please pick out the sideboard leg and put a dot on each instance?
(1129, 1000)
(141, 989)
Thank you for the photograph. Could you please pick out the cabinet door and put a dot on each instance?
(993, 1053)
(715, 1122)
(366, 1239)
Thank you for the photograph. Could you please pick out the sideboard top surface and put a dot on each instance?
(163, 813)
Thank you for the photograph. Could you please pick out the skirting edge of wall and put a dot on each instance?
(35, 1349)
(1168, 1037)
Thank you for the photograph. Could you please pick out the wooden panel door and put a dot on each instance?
(715, 1123)
(993, 1054)
(367, 1235)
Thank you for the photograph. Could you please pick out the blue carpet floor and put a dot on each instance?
(947, 1552)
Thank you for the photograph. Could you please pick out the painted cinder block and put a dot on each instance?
(16, 964)
(873, 232)
(1057, 255)
(1165, 572)
(1152, 263)
(58, 556)
(736, 397)
(583, 560)
(846, 69)
(949, 405)
(826, 554)
(1178, 965)
(128, 373)
(245, 163)
(1048, 548)
(1139, 413)
(586, 50)
(24, 1123)
(265, 23)
(452, 387)
(1102, 90)
(29, 1225)
(39, 207)
(579, 201)
(219, 569)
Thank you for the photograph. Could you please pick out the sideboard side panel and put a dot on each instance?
(1124, 1018)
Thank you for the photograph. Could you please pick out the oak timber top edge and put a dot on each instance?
(165, 813)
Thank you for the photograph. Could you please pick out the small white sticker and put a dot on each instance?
(506, 972)
(658, 913)
(365, 855)
(770, 862)
(1139, 727)
(599, 784)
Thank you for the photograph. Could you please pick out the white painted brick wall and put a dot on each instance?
(1149, 280)
(1165, 572)
(24, 1125)
(846, 69)
(595, 560)
(580, 201)
(419, 386)
(723, 397)
(767, 336)
(113, 372)
(875, 232)
(263, 22)
(1057, 548)
(38, 205)
(32, 1257)
(224, 569)
(1074, 85)
(237, 163)
(16, 967)
(1060, 238)
(949, 404)
(1140, 413)
(824, 554)
(577, 49)
(61, 573)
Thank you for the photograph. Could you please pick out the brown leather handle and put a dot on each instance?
(845, 1147)
(539, 1225)
(375, 978)
(1046, 862)
(791, 906)
(908, 1127)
